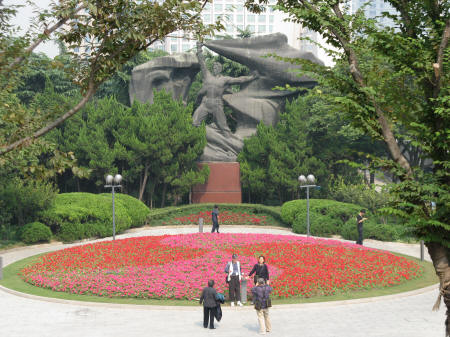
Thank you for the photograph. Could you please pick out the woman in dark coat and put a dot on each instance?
(260, 270)
(208, 298)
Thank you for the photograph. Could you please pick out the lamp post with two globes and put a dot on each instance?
(307, 182)
(113, 183)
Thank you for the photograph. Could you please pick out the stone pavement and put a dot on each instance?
(393, 316)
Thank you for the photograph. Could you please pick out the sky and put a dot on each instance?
(26, 13)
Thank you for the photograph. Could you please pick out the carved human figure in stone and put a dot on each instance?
(214, 86)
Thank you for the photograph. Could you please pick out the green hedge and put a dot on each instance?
(75, 216)
(137, 210)
(166, 216)
(329, 217)
(36, 232)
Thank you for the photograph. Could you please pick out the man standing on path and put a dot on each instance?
(233, 269)
(261, 295)
(215, 219)
(359, 222)
(208, 298)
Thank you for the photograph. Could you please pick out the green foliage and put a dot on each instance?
(75, 216)
(136, 209)
(361, 194)
(36, 232)
(165, 216)
(20, 203)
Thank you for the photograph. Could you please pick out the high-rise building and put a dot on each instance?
(374, 9)
(236, 18)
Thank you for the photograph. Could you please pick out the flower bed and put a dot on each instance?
(178, 266)
(225, 218)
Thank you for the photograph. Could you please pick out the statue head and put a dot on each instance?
(217, 68)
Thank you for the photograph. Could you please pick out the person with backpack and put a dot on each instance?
(208, 298)
(234, 276)
(261, 298)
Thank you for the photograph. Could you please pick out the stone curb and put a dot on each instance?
(225, 307)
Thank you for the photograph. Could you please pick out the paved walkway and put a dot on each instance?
(394, 316)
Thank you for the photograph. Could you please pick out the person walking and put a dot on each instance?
(261, 298)
(359, 222)
(233, 269)
(215, 219)
(260, 270)
(208, 298)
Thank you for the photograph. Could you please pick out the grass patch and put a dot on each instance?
(12, 281)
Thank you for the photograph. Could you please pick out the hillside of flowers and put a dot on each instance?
(179, 266)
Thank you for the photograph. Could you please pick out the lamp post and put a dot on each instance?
(113, 183)
(307, 182)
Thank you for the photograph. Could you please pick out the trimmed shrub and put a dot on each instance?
(166, 216)
(326, 216)
(372, 230)
(36, 232)
(136, 209)
(75, 216)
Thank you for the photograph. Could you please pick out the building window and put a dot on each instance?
(261, 29)
(270, 18)
(185, 47)
(173, 47)
(270, 29)
(229, 8)
(251, 28)
(229, 17)
(239, 8)
(251, 18)
(239, 18)
(218, 7)
(241, 27)
(262, 19)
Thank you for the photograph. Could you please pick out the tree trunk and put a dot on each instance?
(144, 182)
(440, 257)
(163, 198)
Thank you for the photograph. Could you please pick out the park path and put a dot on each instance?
(392, 316)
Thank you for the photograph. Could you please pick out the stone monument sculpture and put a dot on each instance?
(255, 102)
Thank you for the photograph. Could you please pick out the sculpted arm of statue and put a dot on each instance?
(201, 59)
(243, 79)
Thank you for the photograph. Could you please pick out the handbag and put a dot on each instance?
(258, 305)
(269, 302)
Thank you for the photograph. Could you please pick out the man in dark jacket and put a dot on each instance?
(261, 293)
(208, 298)
(215, 219)
(359, 223)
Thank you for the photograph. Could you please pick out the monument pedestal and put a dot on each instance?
(223, 184)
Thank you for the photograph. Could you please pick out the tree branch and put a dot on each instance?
(47, 32)
(438, 66)
(52, 125)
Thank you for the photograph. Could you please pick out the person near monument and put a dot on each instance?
(214, 86)
(208, 298)
(261, 299)
(260, 270)
(359, 223)
(215, 219)
(234, 276)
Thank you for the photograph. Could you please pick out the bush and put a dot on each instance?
(136, 209)
(372, 230)
(36, 232)
(326, 216)
(165, 216)
(75, 216)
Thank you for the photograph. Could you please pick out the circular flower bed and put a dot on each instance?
(178, 266)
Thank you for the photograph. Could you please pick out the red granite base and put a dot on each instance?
(223, 185)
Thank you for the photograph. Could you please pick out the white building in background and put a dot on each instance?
(236, 17)
(374, 9)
